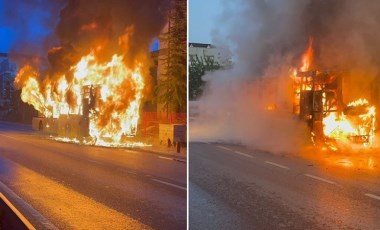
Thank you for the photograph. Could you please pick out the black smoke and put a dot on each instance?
(344, 32)
(124, 27)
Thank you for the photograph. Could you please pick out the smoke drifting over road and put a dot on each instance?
(267, 39)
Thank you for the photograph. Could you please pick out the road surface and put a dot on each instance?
(69, 186)
(233, 187)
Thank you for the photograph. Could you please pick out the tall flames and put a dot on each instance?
(112, 91)
(307, 56)
(355, 123)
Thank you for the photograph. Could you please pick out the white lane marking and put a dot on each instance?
(204, 142)
(179, 160)
(244, 154)
(132, 151)
(320, 178)
(275, 164)
(127, 171)
(372, 196)
(96, 162)
(222, 147)
(18, 200)
(170, 184)
(165, 158)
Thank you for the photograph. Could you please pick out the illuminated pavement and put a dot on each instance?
(69, 186)
(232, 187)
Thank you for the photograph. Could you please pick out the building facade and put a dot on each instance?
(203, 51)
(7, 74)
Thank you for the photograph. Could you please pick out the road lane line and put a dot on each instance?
(127, 171)
(244, 154)
(18, 200)
(320, 179)
(170, 184)
(96, 162)
(179, 160)
(172, 159)
(222, 147)
(278, 165)
(204, 142)
(165, 158)
(372, 196)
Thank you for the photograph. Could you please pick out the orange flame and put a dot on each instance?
(356, 123)
(340, 126)
(307, 56)
(114, 90)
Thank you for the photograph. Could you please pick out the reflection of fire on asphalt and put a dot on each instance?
(350, 157)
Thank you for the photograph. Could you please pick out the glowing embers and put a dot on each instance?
(103, 98)
(356, 123)
(124, 144)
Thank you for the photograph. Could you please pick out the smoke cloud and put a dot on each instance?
(107, 27)
(267, 38)
(62, 31)
(32, 24)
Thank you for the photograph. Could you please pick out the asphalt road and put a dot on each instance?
(70, 186)
(233, 187)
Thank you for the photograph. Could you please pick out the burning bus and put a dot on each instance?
(93, 82)
(99, 104)
(73, 126)
(318, 100)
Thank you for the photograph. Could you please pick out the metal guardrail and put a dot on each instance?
(11, 218)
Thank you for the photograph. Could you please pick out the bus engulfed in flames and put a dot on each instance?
(104, 98)
(317, 99)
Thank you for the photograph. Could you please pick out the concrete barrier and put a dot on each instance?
(10, 217)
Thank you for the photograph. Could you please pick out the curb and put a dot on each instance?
(13, 216)
(40, 221)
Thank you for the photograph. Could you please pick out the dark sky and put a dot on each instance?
(6, 33)
(25, 27)
(23, 24)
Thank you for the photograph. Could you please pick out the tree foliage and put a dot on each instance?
(171, 90)
(198, 67)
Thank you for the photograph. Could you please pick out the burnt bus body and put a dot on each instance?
(70, 125)
(319, 93)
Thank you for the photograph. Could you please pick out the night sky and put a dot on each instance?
(6, 33)
(25, 28)
(19, 24)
